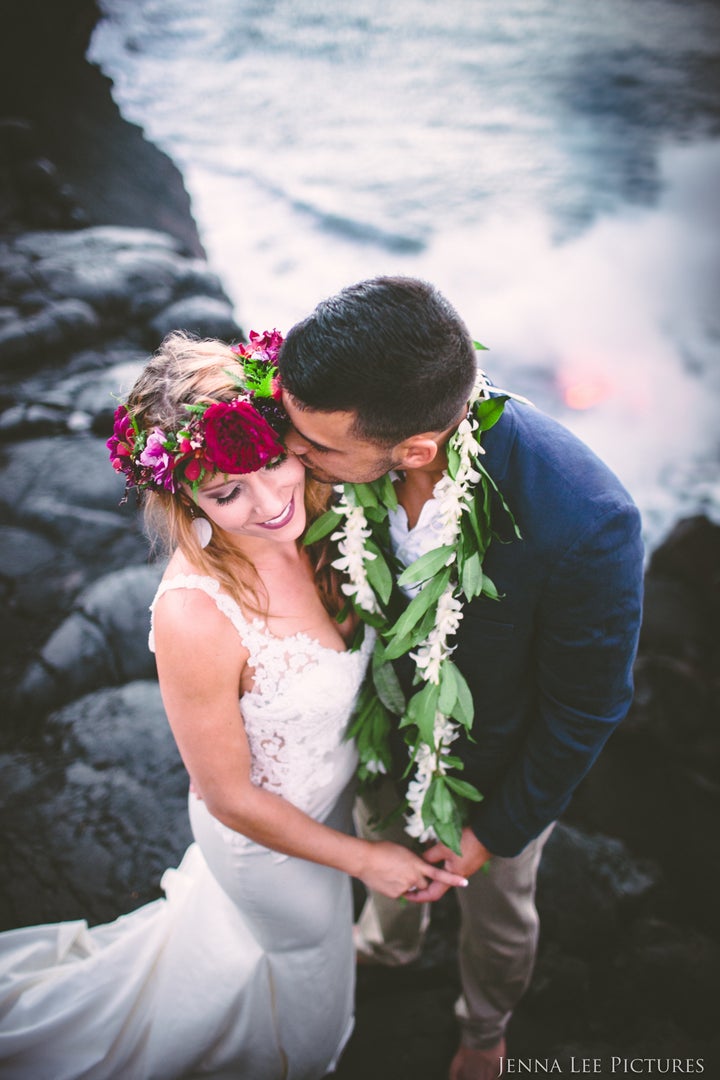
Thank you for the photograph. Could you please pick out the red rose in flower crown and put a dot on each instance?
(237, 439)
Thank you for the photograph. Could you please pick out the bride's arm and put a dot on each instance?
(200, 663)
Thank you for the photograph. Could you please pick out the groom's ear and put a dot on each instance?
(417, 452)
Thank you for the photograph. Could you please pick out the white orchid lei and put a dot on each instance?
(442, 706)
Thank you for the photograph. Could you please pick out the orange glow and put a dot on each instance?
(584, 393)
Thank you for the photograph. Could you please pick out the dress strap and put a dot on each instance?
(211, 587)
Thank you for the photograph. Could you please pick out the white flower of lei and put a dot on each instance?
(441, 706)
(353, 552)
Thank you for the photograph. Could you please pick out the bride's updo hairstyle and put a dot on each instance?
(189, 372)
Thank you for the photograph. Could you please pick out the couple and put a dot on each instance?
(468, 602)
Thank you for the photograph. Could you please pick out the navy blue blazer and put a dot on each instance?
(550, 664)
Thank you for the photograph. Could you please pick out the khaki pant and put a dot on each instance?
(498, 930)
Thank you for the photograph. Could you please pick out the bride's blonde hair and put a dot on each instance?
(185, 371)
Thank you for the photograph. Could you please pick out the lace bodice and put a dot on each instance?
(297, 713)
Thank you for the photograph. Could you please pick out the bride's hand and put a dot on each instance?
(394, 871)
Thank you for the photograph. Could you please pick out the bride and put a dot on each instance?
(245, 969)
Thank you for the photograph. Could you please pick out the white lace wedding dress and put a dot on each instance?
(245, 969)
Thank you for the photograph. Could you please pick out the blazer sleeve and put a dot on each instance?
(588, 623)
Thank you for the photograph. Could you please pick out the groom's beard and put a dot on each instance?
(364, 475)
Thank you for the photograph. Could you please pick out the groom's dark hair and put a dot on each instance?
(392, 349)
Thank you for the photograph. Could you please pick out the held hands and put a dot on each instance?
(394, 871)
(474, 855)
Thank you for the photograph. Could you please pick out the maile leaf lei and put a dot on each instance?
(440, 706)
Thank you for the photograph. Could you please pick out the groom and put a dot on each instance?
(378, 378)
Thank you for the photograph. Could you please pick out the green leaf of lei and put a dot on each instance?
(450, 832)
(455, 699)
(440, 812)
(385, 491)
(448, 688)
(387, 684)
(419, 604)
(382, 701)
(422, 709)
(471, 577)
(426, 566)
(464, 789)
(488, 412)
(323, 526)
(378, 573)
(464, 708)
(365, 495)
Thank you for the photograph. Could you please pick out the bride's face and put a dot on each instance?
(268, 503)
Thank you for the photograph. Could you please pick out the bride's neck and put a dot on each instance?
(270, 555)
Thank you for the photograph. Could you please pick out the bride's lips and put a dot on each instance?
(282, 519)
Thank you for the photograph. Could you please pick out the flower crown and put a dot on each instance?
(228, 437)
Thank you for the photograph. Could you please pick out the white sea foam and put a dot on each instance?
(526, 160)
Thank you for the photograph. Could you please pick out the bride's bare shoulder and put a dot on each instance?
(188, 612)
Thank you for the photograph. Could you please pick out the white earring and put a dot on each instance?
(203, 531)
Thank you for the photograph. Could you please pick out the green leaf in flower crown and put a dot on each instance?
(426, 566)
(387, 684)
(378, 573)
(464, 789)
(471, 578)
(488, 412)
(448, 688)
(419, 604)
(422, 709)
(479, 347)
(323, 526)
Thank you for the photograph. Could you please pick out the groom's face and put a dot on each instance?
(325, 443)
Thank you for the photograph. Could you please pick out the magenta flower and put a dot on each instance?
(266, 345)
(122, 441)
(159, 460)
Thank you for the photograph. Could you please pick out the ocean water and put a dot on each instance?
(553, 166)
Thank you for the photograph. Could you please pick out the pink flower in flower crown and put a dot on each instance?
(237, 439)
(158, 460)
(266, 346)
(121, 442)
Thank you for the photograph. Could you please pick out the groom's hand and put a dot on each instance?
(473, 855)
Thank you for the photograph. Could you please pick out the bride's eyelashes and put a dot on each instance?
(230, 497)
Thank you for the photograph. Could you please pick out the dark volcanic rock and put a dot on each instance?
(588, 886)
(68, 157)
(95, 812)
